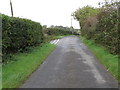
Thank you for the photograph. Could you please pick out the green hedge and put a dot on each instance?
(57, 31)
(102, 27)
(106, 32)
(17, 34)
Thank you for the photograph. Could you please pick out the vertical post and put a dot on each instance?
(11, 8)
(71, 26)
(71, 22)
(99, 4)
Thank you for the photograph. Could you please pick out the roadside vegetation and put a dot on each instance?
(19, 34)
(100, 27)
(17, 71)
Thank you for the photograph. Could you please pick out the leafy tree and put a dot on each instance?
(101, 24)
(82, 14)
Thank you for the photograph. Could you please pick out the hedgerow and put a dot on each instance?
(102, 26)
(57, 31)
(106, 32)
(18, 34)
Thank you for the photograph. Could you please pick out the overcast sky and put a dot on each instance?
(47, 12)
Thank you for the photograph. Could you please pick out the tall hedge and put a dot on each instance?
(106, 32)
(17, 34)
(102, 27)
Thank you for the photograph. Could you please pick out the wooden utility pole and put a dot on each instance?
(71, 28)
(11, 8)
(71, 22)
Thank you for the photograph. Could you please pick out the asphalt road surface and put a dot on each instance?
(71, 65)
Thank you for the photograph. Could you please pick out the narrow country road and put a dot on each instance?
(71, 65)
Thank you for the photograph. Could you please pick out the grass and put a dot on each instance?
(16, 72)
(110, 61)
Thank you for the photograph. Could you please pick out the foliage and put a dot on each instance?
(20, 34)
(17, 34)
(60, 30)
(100, 26)
(82, 14)
(106, 32)
(56, 31)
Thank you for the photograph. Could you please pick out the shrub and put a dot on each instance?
(17, 34)
(102, 26)
(57, 31)
(107, 33)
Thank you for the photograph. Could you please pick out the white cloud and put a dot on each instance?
(47, 12)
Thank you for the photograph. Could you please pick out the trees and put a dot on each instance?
(101, 24)
(82, 14)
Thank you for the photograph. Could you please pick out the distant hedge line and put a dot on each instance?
(17, 34)
(57, 31)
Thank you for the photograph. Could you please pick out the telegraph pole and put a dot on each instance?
(11, 8)
(71, 22)
(71, 26)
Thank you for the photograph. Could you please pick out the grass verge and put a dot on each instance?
(108, 60)
(16, 72)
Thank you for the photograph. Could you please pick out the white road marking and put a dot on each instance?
(54, 41)
(57, 41)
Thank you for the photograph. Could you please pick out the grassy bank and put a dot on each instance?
(108, 60)
(16, 72)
